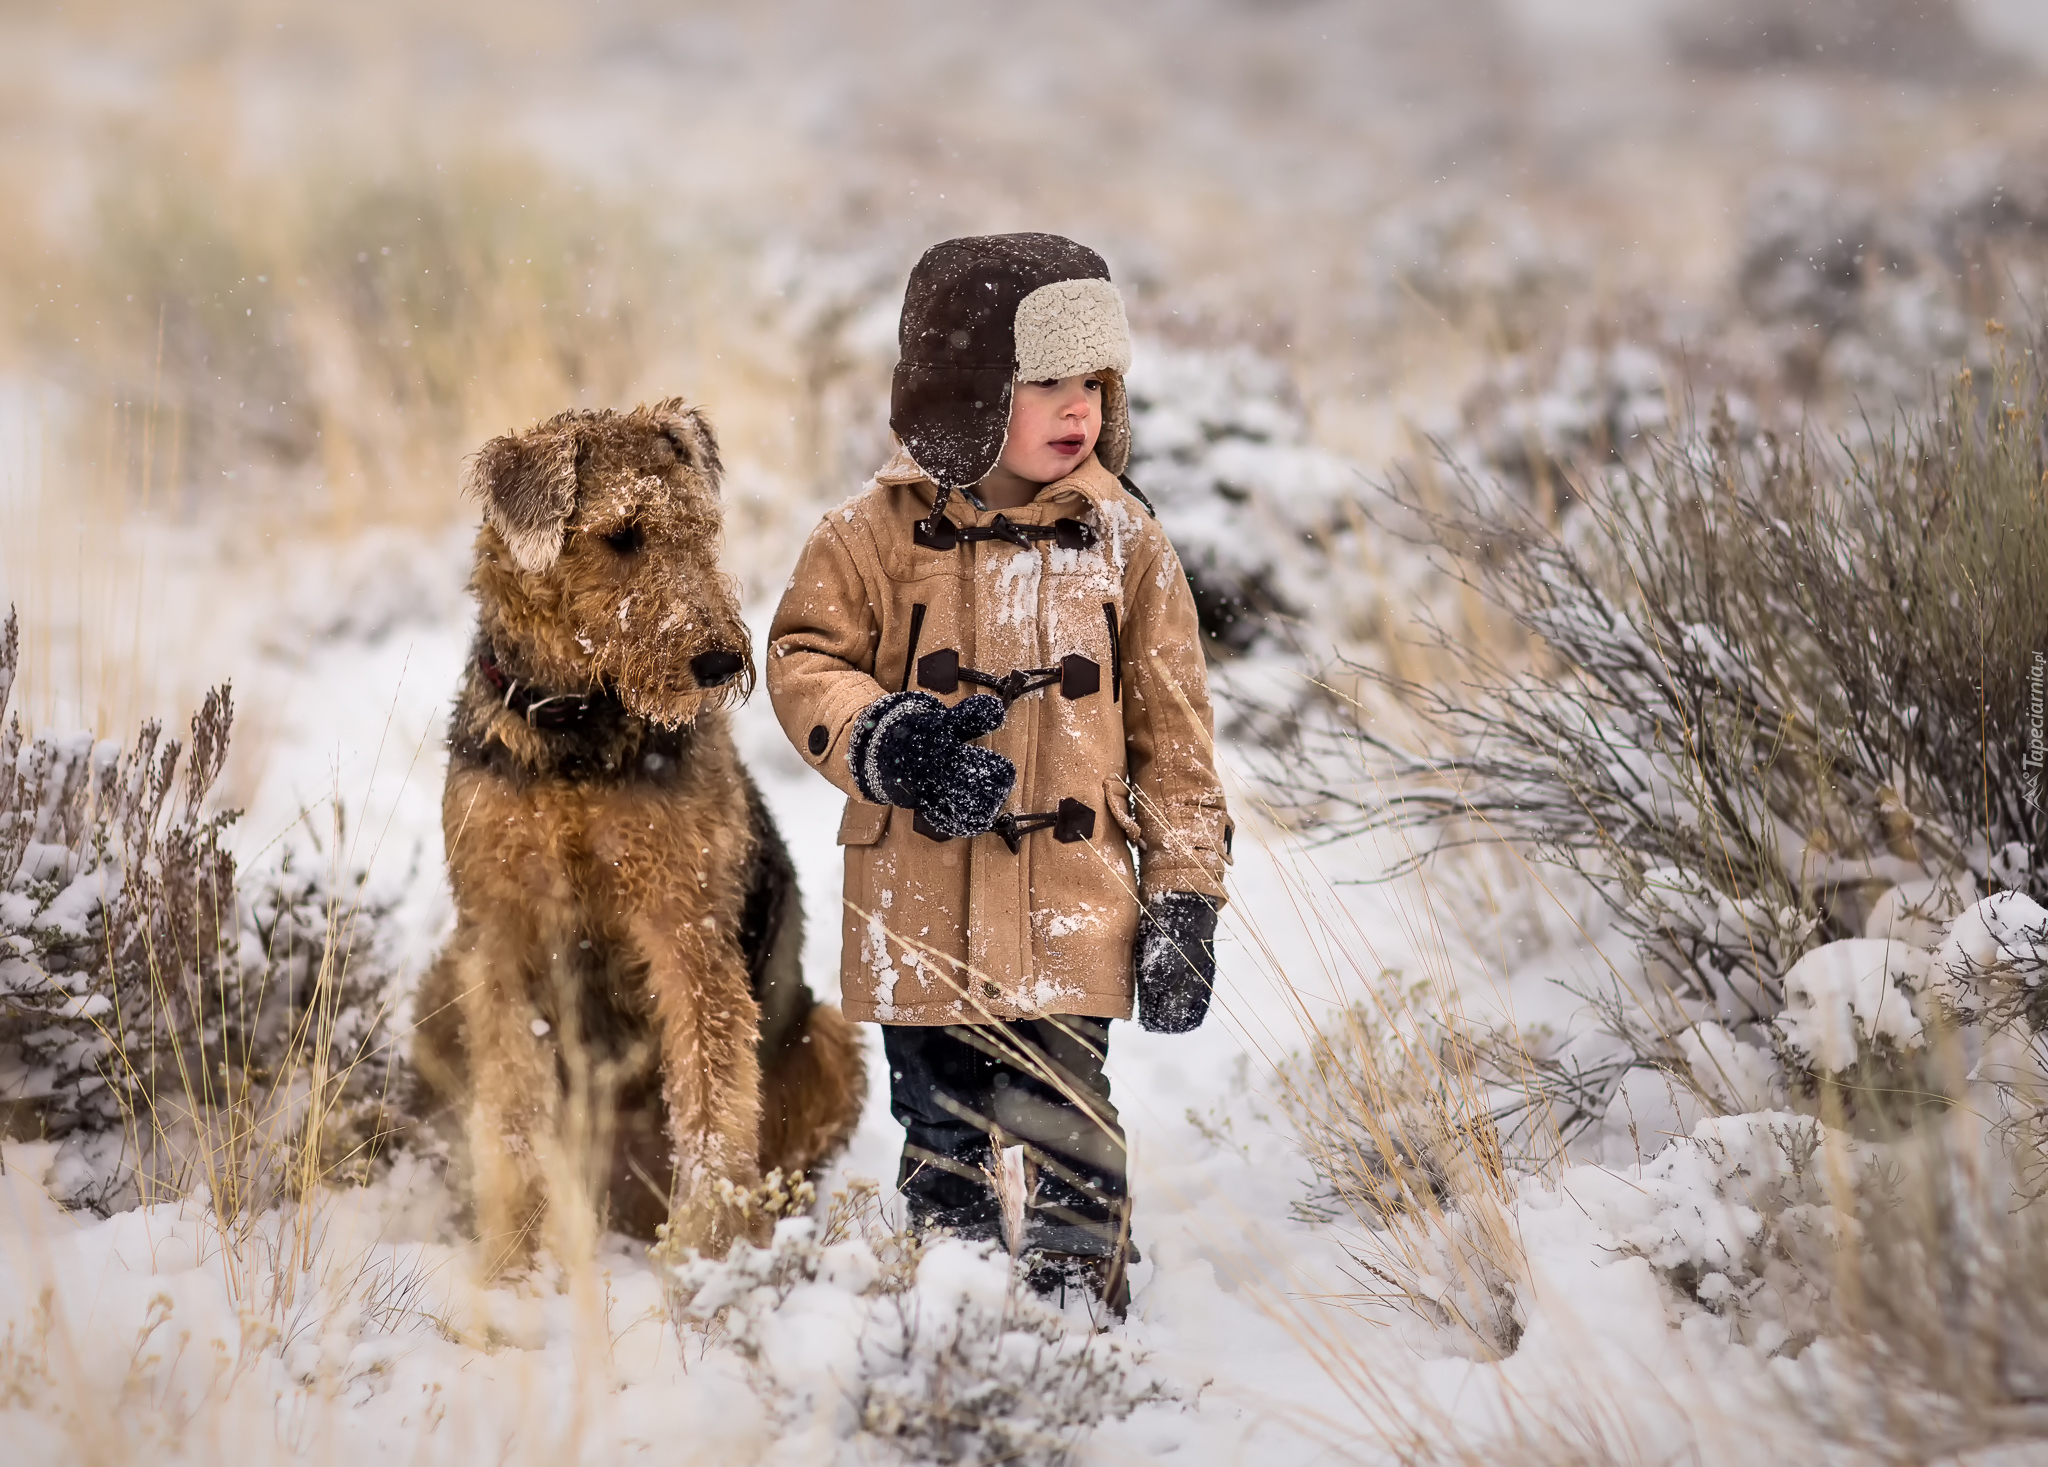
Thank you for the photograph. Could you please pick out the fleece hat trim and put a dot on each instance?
(1071, 327)
(963, 347)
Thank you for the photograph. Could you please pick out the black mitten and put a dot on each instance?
(1175, 961)
(910, 749)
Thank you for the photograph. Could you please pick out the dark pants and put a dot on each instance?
(962, 1090)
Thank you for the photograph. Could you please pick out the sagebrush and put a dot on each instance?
(163, 1015)
(1765, 681)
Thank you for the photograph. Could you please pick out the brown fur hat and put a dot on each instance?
(985, 312)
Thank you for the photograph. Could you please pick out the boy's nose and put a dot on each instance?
(712, 669)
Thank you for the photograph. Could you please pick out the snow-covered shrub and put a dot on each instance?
(1847, 290)
(117, 917)
(1839, 301)
(1382, 1105)
(322, 1041)
(1850, 1000)
(1776, 681)
(1992, 964)
(144, 984)
(1463, 254)
(931, 1353)
(1533, 414)
(1944, 1300)
(1912, 1266)
(1987, 986)
(1734, 1074)
(1740, 1218)
(1913, 1256)
(1810, 248)
(1265, 523)
(1856, 298)
(1986, 210)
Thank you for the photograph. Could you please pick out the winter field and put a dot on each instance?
(1608, 442)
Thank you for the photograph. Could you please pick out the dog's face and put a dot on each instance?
(598, 559)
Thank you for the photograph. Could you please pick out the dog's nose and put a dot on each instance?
(711, 669)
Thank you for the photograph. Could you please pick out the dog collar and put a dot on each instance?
(550, 712)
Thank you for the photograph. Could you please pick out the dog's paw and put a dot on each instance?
(706, 1227)
(720, 1212)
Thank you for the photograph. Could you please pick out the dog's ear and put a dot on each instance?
(527, 485)
(690, 432)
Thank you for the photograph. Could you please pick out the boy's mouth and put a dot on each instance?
(1071, 443)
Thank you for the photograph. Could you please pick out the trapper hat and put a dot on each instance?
(986, 312)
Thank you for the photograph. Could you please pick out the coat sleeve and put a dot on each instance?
(1169, 733)
(821, 653)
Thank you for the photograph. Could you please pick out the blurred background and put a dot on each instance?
(271, 270)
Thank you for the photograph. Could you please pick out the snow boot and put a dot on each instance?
(1103, 1282)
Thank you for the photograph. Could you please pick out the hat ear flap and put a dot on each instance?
(527, 486)
(690, 431)
(953, 421)
(1113, 446)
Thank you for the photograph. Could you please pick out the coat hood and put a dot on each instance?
(982, 313)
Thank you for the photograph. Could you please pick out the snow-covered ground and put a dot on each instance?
(350, 1327)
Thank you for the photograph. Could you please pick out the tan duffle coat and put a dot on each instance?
(952, 931)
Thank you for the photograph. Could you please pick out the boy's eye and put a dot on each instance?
(1093, 384)
(1047, 382)
(626, 539)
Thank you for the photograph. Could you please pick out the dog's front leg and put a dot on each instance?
(711, 1078)
(515, 1094)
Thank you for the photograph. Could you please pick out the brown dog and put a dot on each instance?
(628, 931)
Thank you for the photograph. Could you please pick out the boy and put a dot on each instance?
(999, 614)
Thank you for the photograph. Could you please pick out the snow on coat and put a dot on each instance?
(942, 932)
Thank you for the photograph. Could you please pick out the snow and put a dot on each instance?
(1848, 996)
(1743, 1077)
(376, 1349)
(936, 1352)
(2006, 929)
(2003, 935)
(383, 1348)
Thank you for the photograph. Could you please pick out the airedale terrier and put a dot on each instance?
(621, 1019)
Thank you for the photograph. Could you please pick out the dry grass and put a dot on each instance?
(337, 339)
(1395, 1122)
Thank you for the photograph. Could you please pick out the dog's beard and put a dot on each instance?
(674, 708)
(659, 687)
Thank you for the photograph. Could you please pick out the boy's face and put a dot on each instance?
(1053, 427)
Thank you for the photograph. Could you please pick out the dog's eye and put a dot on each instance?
(626, 539)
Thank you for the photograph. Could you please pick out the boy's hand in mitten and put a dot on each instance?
(910, 749)
(1175, 961)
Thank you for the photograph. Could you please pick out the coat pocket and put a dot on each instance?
(1116, 798)
(863, 824)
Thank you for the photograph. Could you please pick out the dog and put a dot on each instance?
(620, 1020)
